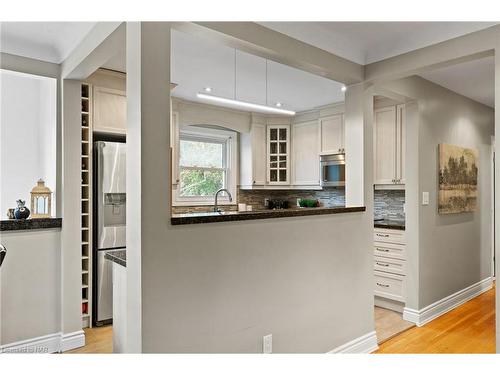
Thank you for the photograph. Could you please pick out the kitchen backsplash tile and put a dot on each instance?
(328, 197)
(389, 204)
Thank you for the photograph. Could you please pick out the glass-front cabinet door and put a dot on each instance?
(278, 154)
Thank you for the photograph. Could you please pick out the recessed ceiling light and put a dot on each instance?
(208, 89)
(344, 89)
(278, 104)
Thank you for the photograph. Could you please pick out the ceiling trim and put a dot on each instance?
(476, 45)
(261, 41)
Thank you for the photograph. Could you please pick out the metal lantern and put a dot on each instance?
(41, 200)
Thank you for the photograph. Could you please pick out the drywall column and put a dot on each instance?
(412, 205)
(71, 314)
(497, 188)
(358, 122)
(148, 180)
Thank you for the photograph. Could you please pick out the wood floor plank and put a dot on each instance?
(469, 328)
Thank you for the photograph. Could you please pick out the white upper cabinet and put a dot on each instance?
(305, 153)
(110, 111)
(253, 157)
(332, 134)
(401, 144)
(389, 146)
(278, 154)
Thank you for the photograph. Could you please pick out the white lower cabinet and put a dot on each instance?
(389, 268)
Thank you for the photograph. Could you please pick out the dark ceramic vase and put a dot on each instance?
(21, 212)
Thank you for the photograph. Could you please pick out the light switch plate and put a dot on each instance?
(425, 198)
(267, 344)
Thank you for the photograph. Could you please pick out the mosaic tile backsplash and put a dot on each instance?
(328, 197)
(388, 204)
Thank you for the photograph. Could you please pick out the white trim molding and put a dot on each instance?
(53, 343)
(361, 345)
(436, 309)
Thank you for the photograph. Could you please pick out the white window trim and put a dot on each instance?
(231, 158)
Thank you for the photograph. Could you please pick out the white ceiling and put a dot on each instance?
(367, 42)
(474, 79)
(47, 41)
(197, 64)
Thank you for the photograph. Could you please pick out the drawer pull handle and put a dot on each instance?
(380, 249)
(382, 235)
(382, 264)
(383, 285)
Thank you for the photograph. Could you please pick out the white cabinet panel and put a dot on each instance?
(384, 144)
(253, 157)
(259, 154)
(305, 153)
(332, 134)
(110, 111)
(401, 144)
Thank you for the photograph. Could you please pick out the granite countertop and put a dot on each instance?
(117, 256)
(390, 224)
(215, 217)
(30, 224)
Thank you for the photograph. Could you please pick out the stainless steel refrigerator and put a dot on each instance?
(110, 220)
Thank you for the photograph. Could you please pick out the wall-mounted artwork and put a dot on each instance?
(458, 167)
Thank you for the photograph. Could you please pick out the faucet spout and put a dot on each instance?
(216, 206)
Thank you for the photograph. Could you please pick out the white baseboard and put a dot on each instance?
(436, 309)
(72, 340)
(364, 344)
(53, 343)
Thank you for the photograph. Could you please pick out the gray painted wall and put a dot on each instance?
(454, 250)
(30, 279)
(220, 287)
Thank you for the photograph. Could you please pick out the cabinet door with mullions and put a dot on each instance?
(278, 150)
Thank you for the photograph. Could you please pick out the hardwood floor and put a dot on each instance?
(98, 340)
(469, 328)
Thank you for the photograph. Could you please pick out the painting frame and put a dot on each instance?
(458, 170)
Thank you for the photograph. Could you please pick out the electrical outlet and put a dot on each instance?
(267, 344)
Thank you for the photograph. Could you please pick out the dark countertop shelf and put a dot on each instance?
(117, 256)
(390, 224)
(30, 224)
(213, 217)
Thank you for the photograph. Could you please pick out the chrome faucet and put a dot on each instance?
(216, 208)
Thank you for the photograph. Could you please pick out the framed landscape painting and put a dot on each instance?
(458, 168)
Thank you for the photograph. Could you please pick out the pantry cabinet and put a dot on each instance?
(305, 153)
(389, 145)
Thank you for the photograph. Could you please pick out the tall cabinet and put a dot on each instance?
(389, 145)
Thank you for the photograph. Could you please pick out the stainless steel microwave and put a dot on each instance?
(332, 169)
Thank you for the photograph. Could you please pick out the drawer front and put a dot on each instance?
(389, 235)
(391, 265)
(389, 286)
(389, 250)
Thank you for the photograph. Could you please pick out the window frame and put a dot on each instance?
(228, 140)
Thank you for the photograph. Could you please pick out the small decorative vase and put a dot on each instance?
(10, 213)
(21, 212)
